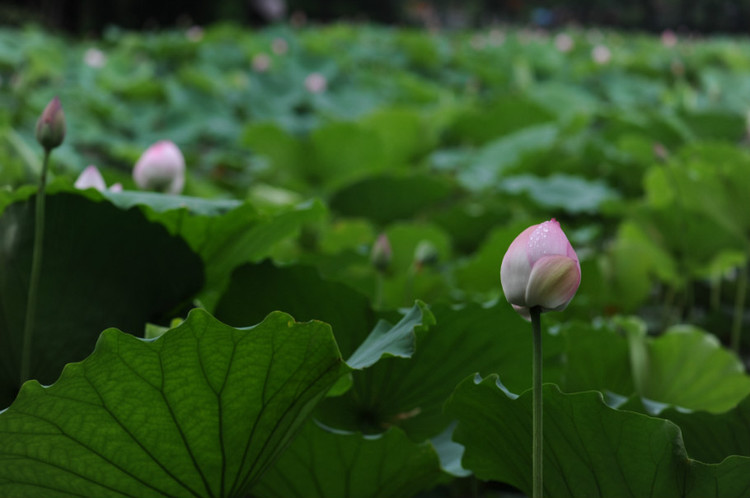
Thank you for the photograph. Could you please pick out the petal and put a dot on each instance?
(553, 282)
(523, 311)
(548, 239)
(515, 269)
(90, 178)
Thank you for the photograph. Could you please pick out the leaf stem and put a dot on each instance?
(36, 268)
(379, 280)
(537, 438)
(739, 305)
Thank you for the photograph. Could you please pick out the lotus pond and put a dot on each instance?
(244, 336)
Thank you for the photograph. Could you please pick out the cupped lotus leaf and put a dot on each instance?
(687, 367)
(201, 411)
(590, 449)
(102, 267)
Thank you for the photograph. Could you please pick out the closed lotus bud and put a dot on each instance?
(426, 254)
(161, 168)
(50, 128)
(91, 178)
(540, 269)
(382, 254)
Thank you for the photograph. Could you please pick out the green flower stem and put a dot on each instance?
(739, 305)
(379, 281)
(36, 268)
(537, 439)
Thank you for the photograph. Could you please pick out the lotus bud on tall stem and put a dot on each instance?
(50, 132)
(540, 272)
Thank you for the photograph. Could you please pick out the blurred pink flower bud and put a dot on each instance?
(316, 83)
(161, 168)
(279, 46)
(261, 63)
(116, 187)
(601, 54)
(194, 33)
(381, 254)
(50, 128)
(95, 58)
(668, 38)
(564, 43)
(541, 269)
(91, 178)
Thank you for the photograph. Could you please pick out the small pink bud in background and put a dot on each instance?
(279, 46)
(261, 63)
(316, 83)
(382, 254)
(194, 34)
(91, 178)
(50, 128)
(668, 38)
(161, 168)
(95, 58)
(541, 269)
(564, 43)
(601, 54)
(116, 187)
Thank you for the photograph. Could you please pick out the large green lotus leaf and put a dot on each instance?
(571, 194)
(590, 449)
(712, 437)
(257, 289)
(709, 437)
(404, 133)
(201, 411)
(506, 115)
(342, 152)
(227, 240)
(493, 159)
(102, 267)
(325, 463)
(687, 367)
(384, 199)
(596, 357)
(411, 394)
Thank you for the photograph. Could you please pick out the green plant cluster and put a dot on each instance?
(237, 340)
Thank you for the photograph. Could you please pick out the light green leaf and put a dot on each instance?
(325, 463)
(201, 411)
(590, 449)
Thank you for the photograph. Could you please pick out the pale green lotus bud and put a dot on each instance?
(50, 128)
(382, 254)
(426, 254)
(541, 269)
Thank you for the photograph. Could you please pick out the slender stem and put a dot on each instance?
(379, 279)
(537, 439)
(739, 305)
(36, 269)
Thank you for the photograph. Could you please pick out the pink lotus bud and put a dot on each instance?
(161, 168)
(668, 38)
(601, 54)
(381, 254)
(316, 83)
(91, 178)
(261, 63)
(116, 187)
(50, 128)
(541, 269)
(564, 42)
(279, 46)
